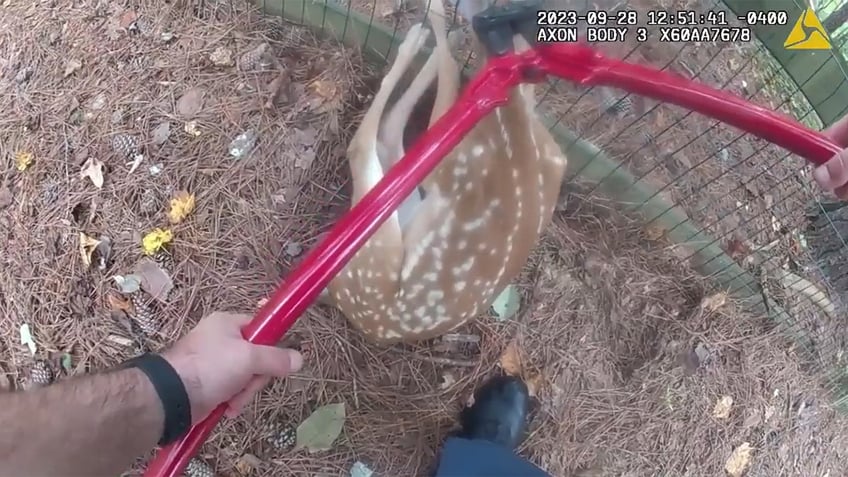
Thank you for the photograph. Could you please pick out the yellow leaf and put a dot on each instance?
(87, 247)
(93, 169)
(155, 240)
(510, 360)
(181, 205)
(738, 460)
(722, 407)
(23, 160)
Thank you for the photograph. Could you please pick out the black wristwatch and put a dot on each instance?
(171, 390)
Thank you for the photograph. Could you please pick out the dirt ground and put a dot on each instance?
(628, 349)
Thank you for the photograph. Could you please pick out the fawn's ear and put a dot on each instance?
(468, 8)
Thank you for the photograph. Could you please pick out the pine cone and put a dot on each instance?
(250, 60)
(617, 107)
(198, 468)
(41, 373)
(165, 260)
(144, 314)
(149, 203)
(282, 438)
(125, 144)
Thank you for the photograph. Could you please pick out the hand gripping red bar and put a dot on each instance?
(486, 91)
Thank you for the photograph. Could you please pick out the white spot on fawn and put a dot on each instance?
(434, 296)
(477, 150)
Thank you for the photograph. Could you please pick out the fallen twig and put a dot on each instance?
(446, 361)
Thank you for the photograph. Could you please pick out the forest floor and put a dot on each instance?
(638, 367)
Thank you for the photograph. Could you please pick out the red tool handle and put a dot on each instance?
(487, 90)
(303, 285)
(584, 65)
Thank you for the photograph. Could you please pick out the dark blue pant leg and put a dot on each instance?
(480, 458)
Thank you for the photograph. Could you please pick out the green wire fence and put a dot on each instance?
(745, 212)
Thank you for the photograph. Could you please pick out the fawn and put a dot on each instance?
(454, 244)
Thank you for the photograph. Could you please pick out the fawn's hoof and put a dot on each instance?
(499, 412)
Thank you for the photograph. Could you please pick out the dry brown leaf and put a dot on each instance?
(448, 380)
(714, 302)
(279, 89)
(510, 360)
(247, 462)
(71, 67)
(190, 103)
(93, 169)
(127, 19)
(161, 133)
(738, 460)
(535, 384)
(325, 88)
(6, 197)
(119, 303)
(722, 407)
(181, 205)
(154, 280)
(120, 341)
(654, 232)
(736, 248)
(222, 56)
(87, 246)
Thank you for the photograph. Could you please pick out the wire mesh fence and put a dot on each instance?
(754, 219)
(750, 198)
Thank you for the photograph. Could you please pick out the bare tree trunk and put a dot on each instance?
(836, 19)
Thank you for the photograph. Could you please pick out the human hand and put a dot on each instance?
(832, 176)
(217, 364)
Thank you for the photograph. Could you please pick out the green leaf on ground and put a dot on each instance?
(321, 428)
(507, 304)
(67, 362)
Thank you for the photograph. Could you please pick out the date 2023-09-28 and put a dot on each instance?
(678, 26)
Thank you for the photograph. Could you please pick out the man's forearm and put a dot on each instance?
(92, 426)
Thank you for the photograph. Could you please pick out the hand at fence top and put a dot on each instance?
(217, 364)
(833, 175)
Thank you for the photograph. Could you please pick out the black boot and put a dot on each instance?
(499, 412)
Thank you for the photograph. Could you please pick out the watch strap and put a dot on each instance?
(172, 393)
